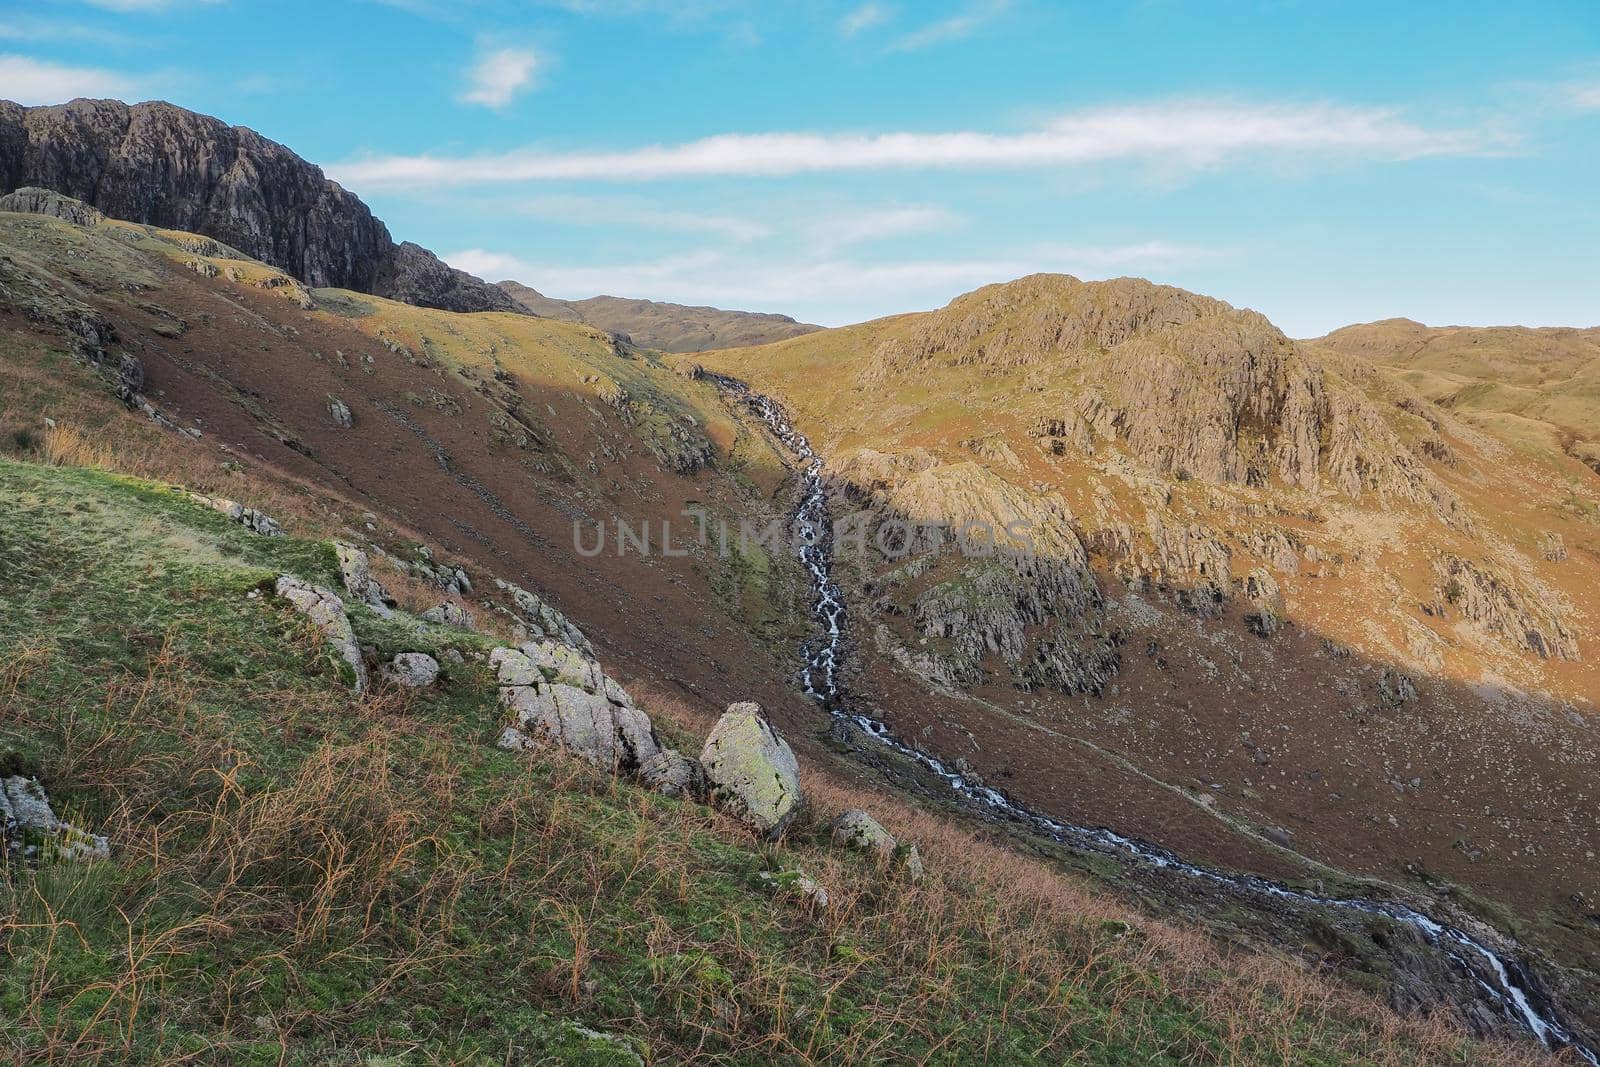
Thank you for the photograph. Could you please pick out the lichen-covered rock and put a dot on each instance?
(356, 570)
(855, 829)
(560, 699)
(671, 773)
(413, 670)
(324, 608)
(752, 771)
(31, 832)
(797, 882)
(449, 614)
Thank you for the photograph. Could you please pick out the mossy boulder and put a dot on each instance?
(752, 771)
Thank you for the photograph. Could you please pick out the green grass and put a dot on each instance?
(304, 877)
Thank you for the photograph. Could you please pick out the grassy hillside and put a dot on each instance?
(301, 876)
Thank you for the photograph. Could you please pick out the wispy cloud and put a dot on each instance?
(863, 18)
(604, 211)
(32, 81)
(1585, 97)
(806, 287)
(500, 75)
(838, 231)
(1174, 134)
(954, 28)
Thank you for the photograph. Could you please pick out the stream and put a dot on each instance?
(1507, 987)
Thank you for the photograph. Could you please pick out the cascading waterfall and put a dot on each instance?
(1509, 991)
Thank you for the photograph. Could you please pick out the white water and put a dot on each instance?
(820, 679)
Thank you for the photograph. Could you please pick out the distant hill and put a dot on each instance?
(161, 165)
(666, 327)
(1522, 382)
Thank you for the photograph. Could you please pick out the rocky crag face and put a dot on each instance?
(163, 166)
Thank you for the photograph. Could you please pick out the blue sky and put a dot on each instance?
(1324, 163)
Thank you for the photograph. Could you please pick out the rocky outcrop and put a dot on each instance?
(31, 200)
(90, 336)
(158, 164)
(356, 571)
(451, 614)
(30, 831)
(752, 771)
(542, 620)
(1499, 606)
(557, 696)
(671, 773)
(326, 611)
(255, 521)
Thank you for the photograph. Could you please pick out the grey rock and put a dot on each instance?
(752, 771)
(544, 620)
(356, 570)
(797, 882)
(855, 829)
(324, 608)
(251, 519)
(339, 411)
(563, 706)
(31, 831)
(671, 773)
(31, 200)
(413, 670)
(449, 614)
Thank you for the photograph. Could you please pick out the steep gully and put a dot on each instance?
(1502, 981)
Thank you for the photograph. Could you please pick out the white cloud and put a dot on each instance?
(32, 81)
(1176, 134)
(953, 28)
(863, 18)
(824, 289)
(499, 75)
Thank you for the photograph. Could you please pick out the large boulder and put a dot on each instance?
(324, 608)
(557, 697)
(752, 771)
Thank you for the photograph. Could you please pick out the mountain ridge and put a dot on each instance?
(664, 326)
(158, 164)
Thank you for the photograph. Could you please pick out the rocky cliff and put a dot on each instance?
(161, 165)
